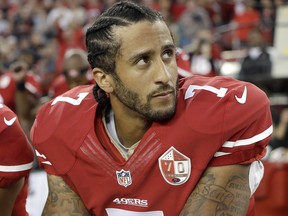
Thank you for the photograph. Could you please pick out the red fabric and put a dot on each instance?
(8, 88)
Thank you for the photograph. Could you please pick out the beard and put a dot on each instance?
(132, 100)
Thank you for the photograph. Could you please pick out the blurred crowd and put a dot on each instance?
(42, 44)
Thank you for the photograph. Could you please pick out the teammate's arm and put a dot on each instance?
(24, 101)
(62, 200)
(8, 196)
(221, 191)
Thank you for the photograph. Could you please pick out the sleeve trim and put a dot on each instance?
(16, 168)
(244, 142)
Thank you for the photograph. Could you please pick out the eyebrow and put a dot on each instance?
(149, 52)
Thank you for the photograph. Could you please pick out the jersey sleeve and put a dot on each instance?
(48, 139)
(59, 129)
(33, 84)
(16, 155)
(247, 126)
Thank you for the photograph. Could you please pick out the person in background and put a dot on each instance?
(143, 142)
(245, 18)
(192, 20)
(204, 54)
(75, 71)
(257, 63)
(16, 161)
(19, 90)
(278, 146)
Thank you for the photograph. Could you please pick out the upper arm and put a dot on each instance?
(62, 200)
(8, 196)
(221, 190)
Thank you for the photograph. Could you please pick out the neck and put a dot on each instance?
(130, 126)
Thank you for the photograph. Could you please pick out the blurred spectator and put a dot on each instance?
(177, 9)
(5, 26)
(75, 71)
(267, 20)
(192, 20)
(257, 64)
(279, 142)
(214, 9)
(280, 128)
(46, 65)
(246, 17)
(204, 54)
(23, 21)
(66, 21)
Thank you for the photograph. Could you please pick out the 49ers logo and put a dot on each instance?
(175, 167)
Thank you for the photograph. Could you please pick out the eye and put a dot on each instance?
(144, 60)
(168, 54)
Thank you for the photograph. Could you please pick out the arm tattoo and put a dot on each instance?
(62, 200)
(229, 199)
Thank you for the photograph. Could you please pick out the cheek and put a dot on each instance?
(174, 73)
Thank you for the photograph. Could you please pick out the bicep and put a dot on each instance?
(221, 191)
(62, 200)
(8, 196)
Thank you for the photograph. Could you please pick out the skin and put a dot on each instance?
(62, 200)
(8, 196)
(25, 102)
(221, 191)
(143, 91)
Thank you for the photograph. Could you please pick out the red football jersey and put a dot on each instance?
(60, 85)
(8, 88)
(16, 156)
(218, 121)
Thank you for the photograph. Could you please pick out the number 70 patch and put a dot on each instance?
(175, 167)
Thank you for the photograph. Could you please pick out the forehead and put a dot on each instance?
(143, 36)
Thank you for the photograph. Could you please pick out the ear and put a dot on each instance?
(103, 80)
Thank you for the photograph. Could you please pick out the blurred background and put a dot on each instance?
(244, 39)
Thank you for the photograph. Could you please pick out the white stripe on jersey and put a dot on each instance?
(31, 88)
(245, 142)
(16, 168)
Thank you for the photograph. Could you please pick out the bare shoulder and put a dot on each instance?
(62, 200)
(222, 190)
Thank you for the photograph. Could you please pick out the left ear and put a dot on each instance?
(103, 80)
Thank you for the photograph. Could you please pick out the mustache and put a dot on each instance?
(162, 88)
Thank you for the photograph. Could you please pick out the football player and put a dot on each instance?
(20, 90)
(142, 142)
(76, 71)
(16, 161)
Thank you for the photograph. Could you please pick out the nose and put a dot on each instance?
(162, 72)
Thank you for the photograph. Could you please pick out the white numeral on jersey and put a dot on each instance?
(219, 92)
(121, 212)
(70, 100)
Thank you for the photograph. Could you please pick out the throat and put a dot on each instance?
(109, 121)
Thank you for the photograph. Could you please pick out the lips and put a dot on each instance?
(161, 94)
